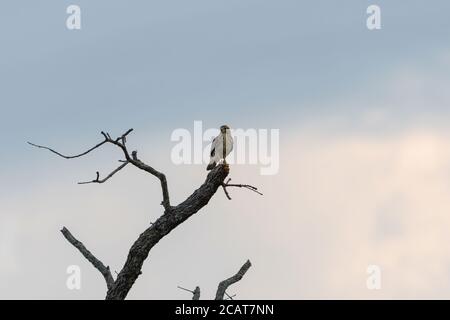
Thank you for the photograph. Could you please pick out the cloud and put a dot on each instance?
(384, 201)
(365, 183)
(339, 204)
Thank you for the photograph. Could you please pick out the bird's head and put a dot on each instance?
(224, 128)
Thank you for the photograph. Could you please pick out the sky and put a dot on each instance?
(364, 145)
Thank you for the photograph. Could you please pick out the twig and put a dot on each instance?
(229, 297)
(225, 185)
(69, 157)
(97, 179)
(191, 291)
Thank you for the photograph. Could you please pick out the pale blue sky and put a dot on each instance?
(164, 64)
(304, 67)
(141, 64)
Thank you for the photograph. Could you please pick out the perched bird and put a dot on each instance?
(221, 147)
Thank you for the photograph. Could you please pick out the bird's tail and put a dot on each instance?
(211, 166)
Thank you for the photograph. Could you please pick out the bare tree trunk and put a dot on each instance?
(166, 223)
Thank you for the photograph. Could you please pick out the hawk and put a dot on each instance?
(218, 151)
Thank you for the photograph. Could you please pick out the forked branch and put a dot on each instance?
(120, 142)
(227, 184)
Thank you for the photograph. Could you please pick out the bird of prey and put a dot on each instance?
(221, 147)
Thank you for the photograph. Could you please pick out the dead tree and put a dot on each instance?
(173, 216)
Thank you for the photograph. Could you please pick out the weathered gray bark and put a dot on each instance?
(196, 294)
(223, 286)
(104, 270)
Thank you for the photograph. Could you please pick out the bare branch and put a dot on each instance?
(195, 293)
(162, 178)
(226, 192)
(97, 179)
(121, 143)
(191, 291)
(133, 159)
(226, 185)
(123, 137)
(107, 138)
(69, 157)
(229, 297)
(223, 286)
(104, 270)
